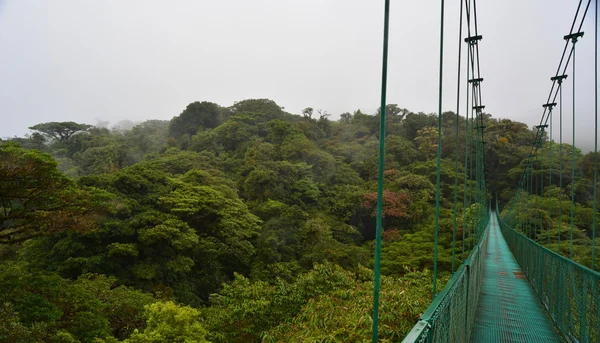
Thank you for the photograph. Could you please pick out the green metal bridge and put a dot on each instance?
(512, 289)
(518, 281)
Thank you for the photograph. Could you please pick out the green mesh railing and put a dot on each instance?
(450, 316)
(569, 291)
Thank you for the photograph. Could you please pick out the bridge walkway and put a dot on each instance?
(508, 308)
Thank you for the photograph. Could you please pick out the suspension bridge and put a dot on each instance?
(518, 280)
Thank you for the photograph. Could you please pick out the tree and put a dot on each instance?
(170, 323)
(196, 115)
(392, 110)
(264, 108)
(413, 122)
(183, 235)
(427, 141)
(346, 117)
(45, 305)
(400, 150)
(235, 132)
(395, 204)
(307, 113)
(148, 136)
(37, 199)
(344, 316)
(61, 131)
(101, 159)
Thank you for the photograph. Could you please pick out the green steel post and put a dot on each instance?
(468, 277)
(439, 153)
(379, 216)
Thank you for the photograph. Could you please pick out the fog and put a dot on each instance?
(90, 61)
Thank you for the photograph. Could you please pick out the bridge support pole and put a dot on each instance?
(468, 278)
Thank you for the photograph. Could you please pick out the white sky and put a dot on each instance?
(83, 60)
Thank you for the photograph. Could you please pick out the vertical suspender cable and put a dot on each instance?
(466, 159)
(595, 135)
(550, 182)
(457, 123)
(439, 153)
(474, 140)
(530, 198)
(541, 198)
(573, 161)
(379, 213)
(535, 198)
(471, 158)
(560, 166)
(470, 66)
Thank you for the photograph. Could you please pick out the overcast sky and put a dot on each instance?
(83, 60)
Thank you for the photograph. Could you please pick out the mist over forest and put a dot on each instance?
(246, 223)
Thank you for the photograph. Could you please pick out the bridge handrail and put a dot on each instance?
(454, 301)
(569, 291)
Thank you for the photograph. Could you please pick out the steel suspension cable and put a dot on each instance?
(574, 40)
(379, 214)
(471, 158)
(476, 191)
(560, 166)
(469, 132)
(439, 154)
(457, 131)
(550, 182)
(535, 197)
(466, 160)
(473, 186)
(529, 198)
(595, 134)
(541, 197)
(557, 77)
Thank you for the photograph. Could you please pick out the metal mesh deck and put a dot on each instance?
(508, 310)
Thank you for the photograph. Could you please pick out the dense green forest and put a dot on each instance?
(246, 223)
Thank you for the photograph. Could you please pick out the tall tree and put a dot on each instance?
(61, 131)
(196, 115)
(36, 199)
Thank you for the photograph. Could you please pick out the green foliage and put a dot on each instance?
(44, 304)
(196, 115)
(187, 234)
(60, 131)
(245, 310)
(12, 330)
(265, 108)
(37, 199)
(427, 142)
(250, 224)
(344, 314)
(168, 323)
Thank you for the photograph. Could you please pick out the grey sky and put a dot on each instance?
(84, 60)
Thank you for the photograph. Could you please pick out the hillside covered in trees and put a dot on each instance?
(245, 223)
